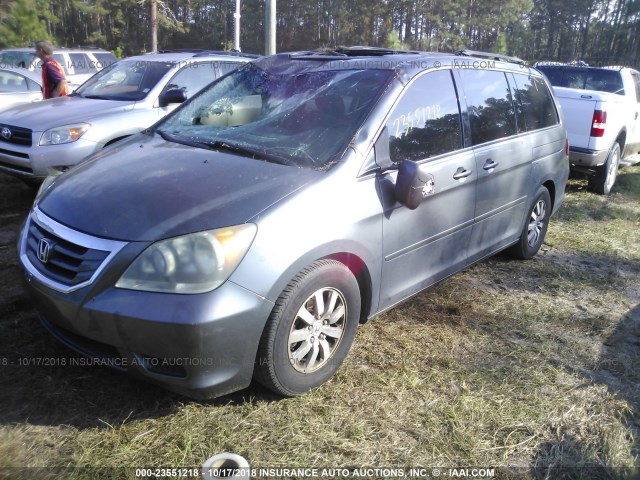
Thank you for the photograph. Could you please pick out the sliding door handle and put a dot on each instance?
(489, 164)
(461, 173)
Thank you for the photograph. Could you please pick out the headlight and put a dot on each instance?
(66, 134)
(194, 263)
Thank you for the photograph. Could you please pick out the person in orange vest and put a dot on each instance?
(54, 82)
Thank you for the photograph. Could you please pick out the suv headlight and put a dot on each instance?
(65, 134)
(193, 263)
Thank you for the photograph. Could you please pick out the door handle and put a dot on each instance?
(489, 164)
(461, 173)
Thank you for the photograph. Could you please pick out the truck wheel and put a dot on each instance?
(310, 330)
(605, 177)
(535, 227)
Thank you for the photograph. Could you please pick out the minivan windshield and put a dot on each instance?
(304, 119)
(126, 80)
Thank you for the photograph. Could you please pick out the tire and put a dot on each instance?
(535, 226)
(301, 349)
(605, 177)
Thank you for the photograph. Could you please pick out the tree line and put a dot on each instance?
(600, 32)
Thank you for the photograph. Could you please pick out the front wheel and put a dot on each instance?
(310, 330)
(535, 227)
(605, 177)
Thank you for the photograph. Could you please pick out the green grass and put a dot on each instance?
(526, 366)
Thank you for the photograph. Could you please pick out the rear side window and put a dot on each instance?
(489, 105)
(104, 59)
(81, 63)
(12, 82)
(33, 85)
(60, 59)
(426, 121)
(534, 105)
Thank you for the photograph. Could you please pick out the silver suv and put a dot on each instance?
(125, 98)
(79, 64)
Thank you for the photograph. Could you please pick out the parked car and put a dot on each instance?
(249, 233)
(602, 113)
(120, 100)
(18, 86)
(79, 64)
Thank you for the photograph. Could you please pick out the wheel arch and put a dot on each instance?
(551, 187)
(621, 140)
(361, 272)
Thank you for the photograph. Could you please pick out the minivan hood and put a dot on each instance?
(55, 112)
(146, 189)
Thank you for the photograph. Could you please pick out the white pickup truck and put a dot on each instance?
(601, 109)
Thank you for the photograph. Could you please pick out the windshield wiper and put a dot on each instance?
(98, 97)
(259, 154)
(218, 146)
(170, 137)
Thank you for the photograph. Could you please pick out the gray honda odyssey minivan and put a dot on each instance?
(247, 234)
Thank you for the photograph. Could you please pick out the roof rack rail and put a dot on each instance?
(490, 55)
(373, 51)
(355, 51)
(181, 50)
(229, 53)
(201, 52)
(87, 47)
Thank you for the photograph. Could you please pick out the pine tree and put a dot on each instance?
(22, 26)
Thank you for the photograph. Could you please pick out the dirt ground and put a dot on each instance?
(16, 199)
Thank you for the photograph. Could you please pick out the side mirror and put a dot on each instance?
(412, 184)
(173, 95)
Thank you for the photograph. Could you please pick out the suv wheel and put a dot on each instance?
(535, 226)
(310, 330)
(603, 180)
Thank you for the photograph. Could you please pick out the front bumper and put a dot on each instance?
(36, 162)
(198, 345)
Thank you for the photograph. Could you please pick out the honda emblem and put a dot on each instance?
(44, 249)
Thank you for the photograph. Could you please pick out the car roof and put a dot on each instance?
(36, 77)
(57, 49)
(183, 55)
(406, 63)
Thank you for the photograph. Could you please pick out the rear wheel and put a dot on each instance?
(535, 227)
(605, 177)
(310, 330)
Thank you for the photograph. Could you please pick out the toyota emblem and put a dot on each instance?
(6, 133)
(44, 250)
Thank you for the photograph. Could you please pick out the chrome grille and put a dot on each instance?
(59, 259)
